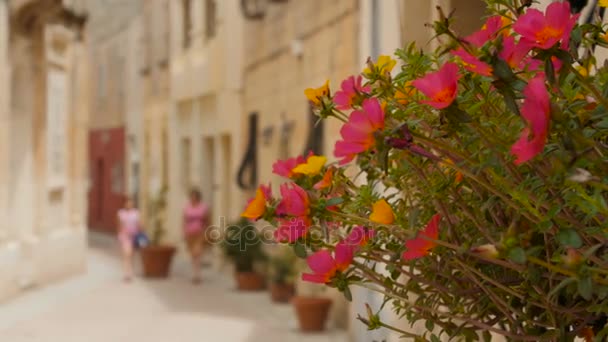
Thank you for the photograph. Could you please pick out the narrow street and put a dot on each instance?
(98, 306)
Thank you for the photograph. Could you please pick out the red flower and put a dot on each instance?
(514, 53)
(358, 133)
(351, 89)
(290, 231)
(295, 201)
(422, 244)
(472, 63)
(545, 30)
(440, 86)
(488, 31)
(535, 110)
(285, 167)
(325, 266)
(359, 236)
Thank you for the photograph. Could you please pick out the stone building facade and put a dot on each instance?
(154, 82)
(44, 116)
(205, 107)
(115, 135)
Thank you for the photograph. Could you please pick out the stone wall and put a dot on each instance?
(45, 116)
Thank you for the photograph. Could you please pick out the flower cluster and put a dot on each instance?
(483, 181)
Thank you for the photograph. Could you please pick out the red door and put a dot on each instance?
(107, 188)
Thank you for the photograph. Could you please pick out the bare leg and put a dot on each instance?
(196, 265)
(127, 262)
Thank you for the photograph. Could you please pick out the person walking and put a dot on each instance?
(196, 220)
(129, 224)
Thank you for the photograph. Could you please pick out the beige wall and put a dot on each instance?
(110, 42)
(275, 77)
(42, 236)
(205, 110)
(154, 78)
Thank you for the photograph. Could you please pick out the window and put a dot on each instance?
(210, 18)
(187, 22)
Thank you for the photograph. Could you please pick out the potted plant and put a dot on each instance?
(282, 275)
(311, 307)
(242, 244)
(157, 257)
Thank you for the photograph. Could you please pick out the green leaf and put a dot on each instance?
(503, 71)
(456, 115)
(434, 338)
(347, 294)
(517, 255)
(430, 325)
(569, 238)
(550, 71)
(585, 288)
(300, 250)
(591, 251)
(334, 201)
(561, 285)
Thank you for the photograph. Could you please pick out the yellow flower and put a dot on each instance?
(312, 167)
(603, 3)
(404, 95)
(256, 207)
(315, 95)
(582, 70)
(383, 65)
(382, 213)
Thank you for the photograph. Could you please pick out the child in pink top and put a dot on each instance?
(195, 222)
(129, 225)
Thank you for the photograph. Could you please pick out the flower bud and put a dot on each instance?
(488, 251)
(572, 258)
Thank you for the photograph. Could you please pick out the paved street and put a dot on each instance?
(97, 306)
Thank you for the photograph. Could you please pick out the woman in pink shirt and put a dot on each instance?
(129, 225)
(196, 220)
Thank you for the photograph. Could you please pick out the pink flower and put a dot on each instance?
(544, 31)
(535, 110)
(440, 86)
(290, 231)
(514, 53)
(472, 63)
(422, 244)
(358, 133)
(359, 236)
(487, 32)
(351, 90)
(295, 201)
(285, 167)
(325, 266)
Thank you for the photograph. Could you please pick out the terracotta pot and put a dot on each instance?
(312, 312)
(156, 260)
(250, 281)
(281, 292)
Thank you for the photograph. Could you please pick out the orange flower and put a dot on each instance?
(315, 95)
(326, 181)
(257, 206)
(382, 213)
